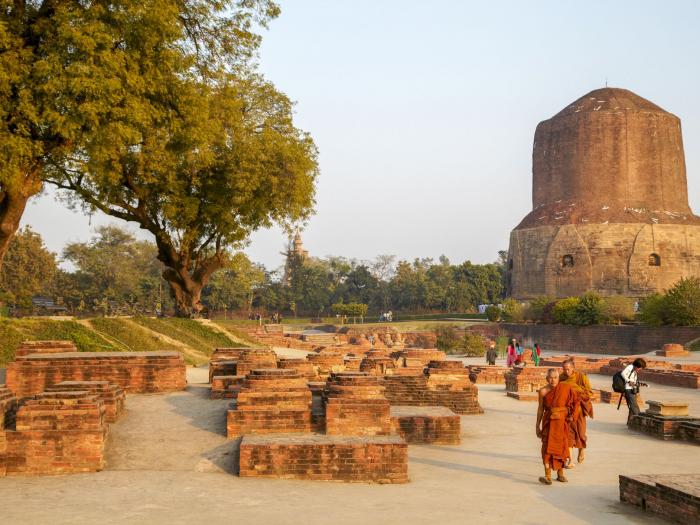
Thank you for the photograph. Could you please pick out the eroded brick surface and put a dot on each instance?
(675, 497)
(438, 425)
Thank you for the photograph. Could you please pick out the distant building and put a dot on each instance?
(610, 208)
(295, 251)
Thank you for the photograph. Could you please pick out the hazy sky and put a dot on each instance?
(424, 112)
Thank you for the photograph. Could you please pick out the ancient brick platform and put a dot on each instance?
(445, 384)
(613, 398)
(271, 401)
(527, 379)
(673, 350)
(223, 361)
(588, 365)
(379, 459)
(55, 433)
(355, 405)
(45, 347)
(488, 374)
(303, 366)
(255, 358)
(437, 425)
(377, 363)
(327, 362)
(417, 357)
(226, 387)
(222, 368)
(138, 372)
(667, 428)
(662, 372)
(674, 497)
(112, 396)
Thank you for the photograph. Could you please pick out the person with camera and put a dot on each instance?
(632, 384)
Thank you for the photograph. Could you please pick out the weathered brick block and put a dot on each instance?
(112, 396)
(438, 425)
(377, 459)
(674, 497)
(355, 405)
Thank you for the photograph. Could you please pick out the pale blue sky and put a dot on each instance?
(424, 112)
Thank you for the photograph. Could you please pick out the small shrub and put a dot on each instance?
(565, 310)
(652, 309)
(682, 303)
(617, 309)
(512, 311)
(447, 338)
(589, 310)
(539, 309)
(473, 344)
(493, 313)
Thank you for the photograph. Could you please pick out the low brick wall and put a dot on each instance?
(137, 372)
(436, 425)
(55, 433)
(416, 391)
(112, 396)
(378, 459)
(668, 428)
(616, 340)
(675, 497)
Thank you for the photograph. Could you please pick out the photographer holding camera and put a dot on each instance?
(632, 384)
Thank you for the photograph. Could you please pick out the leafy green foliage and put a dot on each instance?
(652, 310)
(565, 311)
(682, 303)
(539, 309)
(512, 311)
(589, 310)
(617, 309)
(447, 338)
(29, 269)
(473, 344)
(493, 313)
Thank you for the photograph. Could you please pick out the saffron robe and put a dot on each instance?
(580, 383)
(559, 404)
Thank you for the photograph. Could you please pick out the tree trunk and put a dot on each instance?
(12, 205)
(186, 293)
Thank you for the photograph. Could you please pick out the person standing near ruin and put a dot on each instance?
(557, 403)
(536, 354)
(491, 354)
(629, 374)
(512, 353)
(579, 381)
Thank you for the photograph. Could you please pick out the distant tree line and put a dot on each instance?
(115, 273)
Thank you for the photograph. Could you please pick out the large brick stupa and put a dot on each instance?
(610, 206)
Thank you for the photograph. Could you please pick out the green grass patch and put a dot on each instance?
(188, 331)
(234, 327)
(14, 331)
(134, 338)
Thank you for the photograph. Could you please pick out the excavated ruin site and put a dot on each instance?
(303, 431)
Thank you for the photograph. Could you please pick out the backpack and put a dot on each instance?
(618, 383)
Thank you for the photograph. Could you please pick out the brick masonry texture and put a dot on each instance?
(674, 497)
(355, 405)
(616, 340)
(445, 384)
(379, 459)
(54, 433)
(667, 428)
(489, 374)
(437, 425)
(138, 372)
(271, 401)
(609, 192)
(112, 396)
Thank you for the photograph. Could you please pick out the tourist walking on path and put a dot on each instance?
(580, 383)
(629, 374)
(512, 353)
(491, 354)
(557, 403)
(536, 354)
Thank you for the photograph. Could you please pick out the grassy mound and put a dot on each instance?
(14, 331)
(188, 331)
(234, 327)
(127, 334)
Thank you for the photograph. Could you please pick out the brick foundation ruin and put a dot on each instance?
(674, 497)
(137, 372)
(668, 421)
(112, 396)
(488, 374)
(52, 433)
(429, 425)
(523, 383)
(356, 406)
(271, 401)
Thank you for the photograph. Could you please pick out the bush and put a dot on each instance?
(447, 338)
(565, 310)
(682, 303)
(652, 309)
(512, 311)
(539, 309)
(473, 344)
(589, 310)
(618, 308)
(493, 313)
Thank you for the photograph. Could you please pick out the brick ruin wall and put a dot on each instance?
(615, 340)
(674, 497)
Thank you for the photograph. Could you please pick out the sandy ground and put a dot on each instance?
(169, 462)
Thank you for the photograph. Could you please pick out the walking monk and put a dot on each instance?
(579, 381)
(557, 403)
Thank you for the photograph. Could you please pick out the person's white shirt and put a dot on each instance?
(630, 376)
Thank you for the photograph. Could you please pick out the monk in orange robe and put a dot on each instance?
(579, 381)
(557, 402)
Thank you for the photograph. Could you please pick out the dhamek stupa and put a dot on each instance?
(610, 206)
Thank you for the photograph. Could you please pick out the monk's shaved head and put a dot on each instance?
(552, 377)
(552, 372)
(568, 367)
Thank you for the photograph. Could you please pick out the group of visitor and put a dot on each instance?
(564, 404)
(514, 354)
(386, 317)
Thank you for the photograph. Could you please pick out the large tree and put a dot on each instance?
(200, 152)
